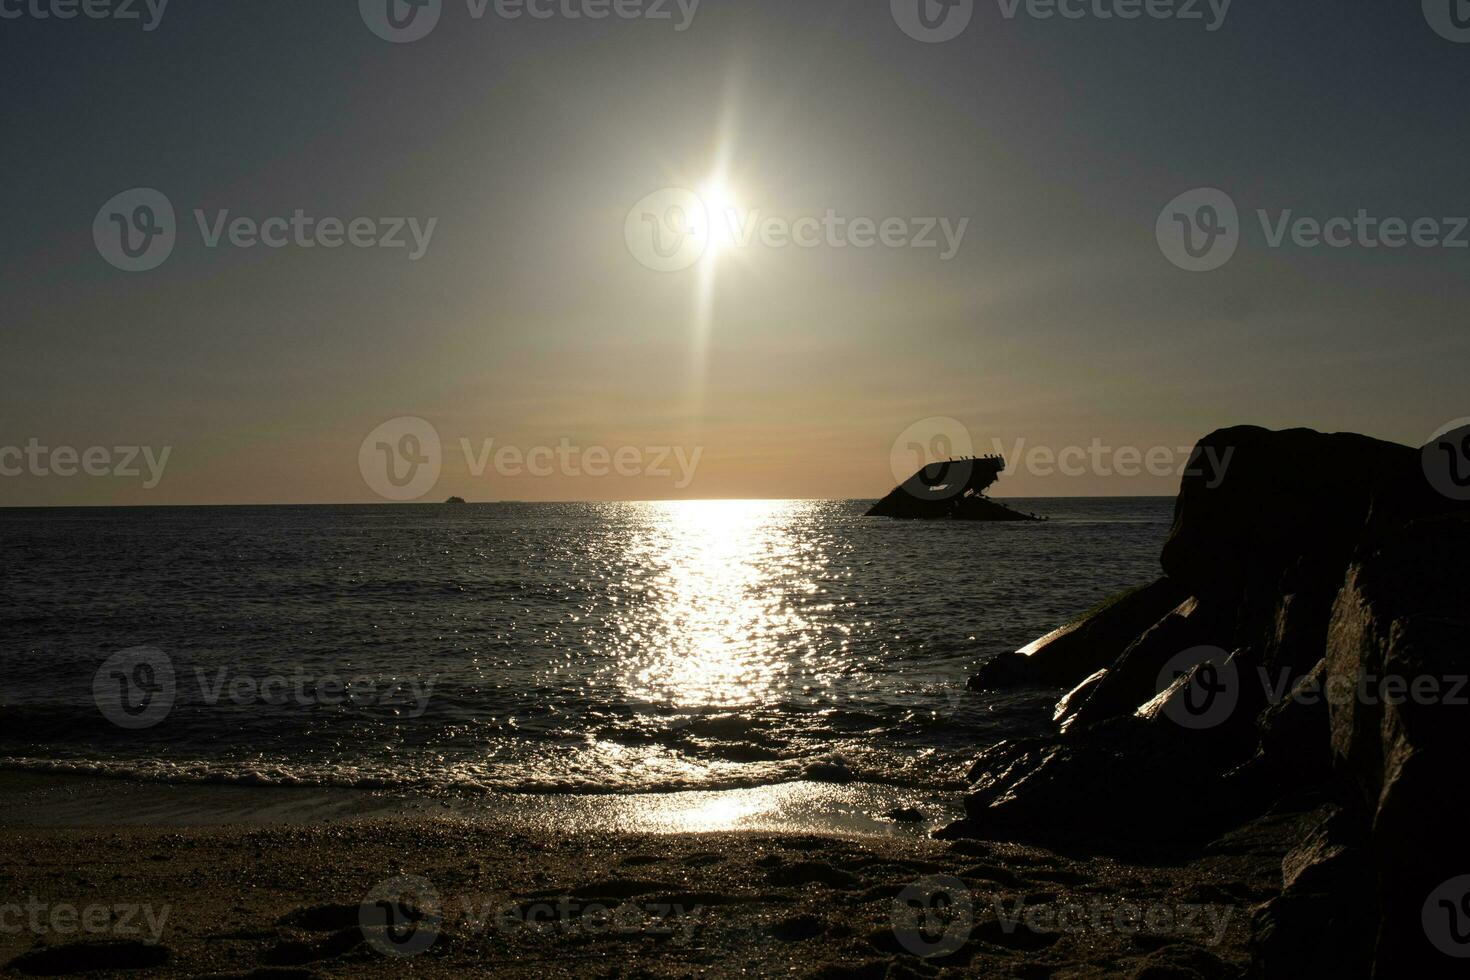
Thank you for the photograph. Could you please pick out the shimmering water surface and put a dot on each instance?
(607, 648)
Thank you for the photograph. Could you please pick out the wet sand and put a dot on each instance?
(529, 895)
(50, 800)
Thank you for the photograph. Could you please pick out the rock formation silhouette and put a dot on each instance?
(1306, 648)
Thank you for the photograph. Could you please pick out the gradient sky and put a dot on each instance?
(528, 321)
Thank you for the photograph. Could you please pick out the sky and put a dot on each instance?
(497, 328)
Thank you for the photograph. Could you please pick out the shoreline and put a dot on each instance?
(553, 503)
(283, 886)
(47, 800)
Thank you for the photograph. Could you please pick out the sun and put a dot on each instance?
(724, 213)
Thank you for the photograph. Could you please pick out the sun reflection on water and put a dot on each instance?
(721, 574)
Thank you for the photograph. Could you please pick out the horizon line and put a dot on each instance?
(496, 503)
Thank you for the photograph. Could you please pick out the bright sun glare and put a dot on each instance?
(723, 213)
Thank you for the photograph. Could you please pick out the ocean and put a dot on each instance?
(537, 648)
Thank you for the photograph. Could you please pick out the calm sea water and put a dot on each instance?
(536, 648)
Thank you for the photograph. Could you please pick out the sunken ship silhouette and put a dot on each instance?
(950, 490)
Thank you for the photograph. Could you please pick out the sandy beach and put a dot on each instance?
(288, 889)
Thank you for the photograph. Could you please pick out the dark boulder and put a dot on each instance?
(1292, 642)
(1215, 699)
(1187, 636)
(1256, 504)
(1334, 566)
(1266, 524)
(1002, 671)
(1294, 745)
(1073, 700)
(1399, 644)
(1092, 641)
(1129, 779)
(1319, 925)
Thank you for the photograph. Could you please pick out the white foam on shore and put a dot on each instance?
(626, 771)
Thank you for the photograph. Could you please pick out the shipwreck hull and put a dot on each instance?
(950, 490)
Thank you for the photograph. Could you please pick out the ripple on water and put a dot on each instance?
(616, 648)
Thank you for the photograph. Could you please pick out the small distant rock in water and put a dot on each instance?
(905, 814)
